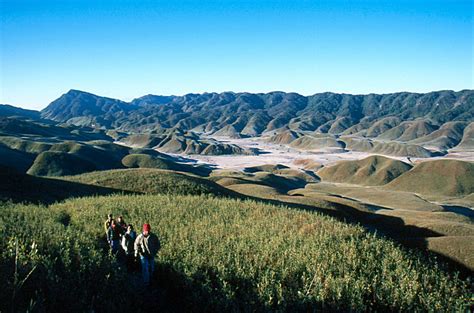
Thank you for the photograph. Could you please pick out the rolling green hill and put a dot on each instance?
(447, 136)
(150, 181)
(467, 141)
(439, 177)
(50, 163)
(386, 148)
(371, 171)
(409, 130)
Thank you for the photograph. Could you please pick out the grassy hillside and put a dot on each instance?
(374, 170)
(51, 163)
(317, 142)
(386, 148)
(446, 137)
(152, 181)
(217, 255)
(409, 130)
(440, 177)
(467, 142)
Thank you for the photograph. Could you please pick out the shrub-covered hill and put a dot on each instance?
(440, 177)
(217, 255)
(374, 170)
(150, 181)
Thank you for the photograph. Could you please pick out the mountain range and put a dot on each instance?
(247, 114)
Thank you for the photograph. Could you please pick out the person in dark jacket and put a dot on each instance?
(147, 246)
(122, 224)
(113, 236)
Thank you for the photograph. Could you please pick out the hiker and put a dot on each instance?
(122, 224)
(128, 241)
(147, 246)
(107, 222)
(113, 236)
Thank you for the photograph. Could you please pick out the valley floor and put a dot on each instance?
(283, 154)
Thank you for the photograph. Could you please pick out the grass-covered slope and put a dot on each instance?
(151, 181)
(371, 171)
(440, 177)
(467, 142)
(386, 148)
(59, 163)
(447, 136)
(217, 255)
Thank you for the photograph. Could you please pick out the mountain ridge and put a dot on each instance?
(256, 113)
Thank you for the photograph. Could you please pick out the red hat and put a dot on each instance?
(146, 227)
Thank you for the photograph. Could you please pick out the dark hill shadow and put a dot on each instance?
(18, 187)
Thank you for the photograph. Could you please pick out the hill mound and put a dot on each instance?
(24, 145)
(265, 168)
(382, 125)
(151, 181)
(371, 171)
(340, 125)
(281, 179)
(386, 148)
(401, 149)
(228, 131)
(141, 160)
(308, 164)
(142, 140)
(467, 141)
(409, 130)
(440, 177)
(51, 163)
(178, 142)
(446, 137)
(285, 137)
(315, 142)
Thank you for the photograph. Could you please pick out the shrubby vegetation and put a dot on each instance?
(217, 255)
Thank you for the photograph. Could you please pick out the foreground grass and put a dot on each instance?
(217, 255)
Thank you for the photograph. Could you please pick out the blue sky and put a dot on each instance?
(126, 49)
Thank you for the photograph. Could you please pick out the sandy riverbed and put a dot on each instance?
(274, 154)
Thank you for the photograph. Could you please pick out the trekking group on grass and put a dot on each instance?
(127, 246)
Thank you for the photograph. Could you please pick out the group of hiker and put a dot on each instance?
(124, 242)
